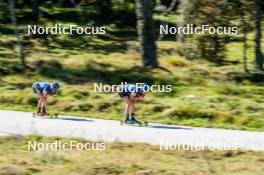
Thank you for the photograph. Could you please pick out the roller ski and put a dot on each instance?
(133, 122)
(42, 113)
(48, 115)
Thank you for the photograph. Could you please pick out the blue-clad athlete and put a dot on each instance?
(43, 90)
(130, 93)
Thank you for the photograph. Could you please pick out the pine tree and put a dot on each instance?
(146, 33)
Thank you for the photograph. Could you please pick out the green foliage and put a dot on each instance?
(10, 67)
(203, 93)
(215, 14)
(50, 158)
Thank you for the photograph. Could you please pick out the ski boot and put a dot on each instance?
(38, 113)
(43, 113)
(134, 121)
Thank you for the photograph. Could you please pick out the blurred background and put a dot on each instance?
(217, 79)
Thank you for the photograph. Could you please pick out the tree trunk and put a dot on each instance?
(146, 33)
(258, 53)
(35, 9)
(216, 47)
(105, 7)
(242, 14)
(11, 4)
(245, 46)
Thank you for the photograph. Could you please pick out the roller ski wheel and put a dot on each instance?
(138, 123)
(53, 115)
(35, 114)
(122, 122)
(56, 115)
(145, 123)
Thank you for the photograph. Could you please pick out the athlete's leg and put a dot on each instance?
(133, 119)
(42, 104)
(45, 102)
(39, 106)
(36, 91)
(132, 108)
(127, 108)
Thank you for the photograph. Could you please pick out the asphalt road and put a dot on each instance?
(22, 123)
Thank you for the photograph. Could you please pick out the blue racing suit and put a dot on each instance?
(42, 88)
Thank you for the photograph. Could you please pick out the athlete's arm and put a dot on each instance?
(46, 91)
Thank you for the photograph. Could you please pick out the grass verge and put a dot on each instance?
(122, 158)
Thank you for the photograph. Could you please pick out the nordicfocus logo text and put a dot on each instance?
(203, 145)
(58, 29)
(100, 87)
(58, 145)
(190, 29)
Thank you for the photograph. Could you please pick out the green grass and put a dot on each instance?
(122, 158)
(204, 93)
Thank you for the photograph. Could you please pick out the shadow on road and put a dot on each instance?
(75, 119)
(169, 127)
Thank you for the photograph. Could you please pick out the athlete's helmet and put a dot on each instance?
(55, 86)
